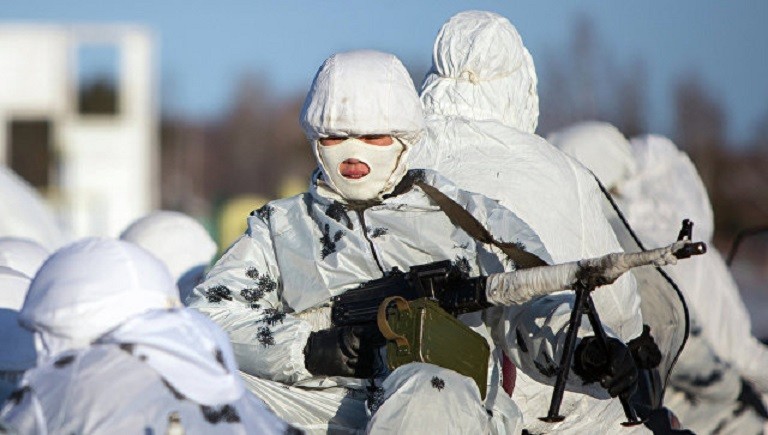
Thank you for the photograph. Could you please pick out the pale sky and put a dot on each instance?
(206, 45)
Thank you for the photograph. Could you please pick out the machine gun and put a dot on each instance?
(456, 293)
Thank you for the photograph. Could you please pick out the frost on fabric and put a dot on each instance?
(264, 213)
(272, 316)
(549, 368)
(217, 293)
(378, 232)
(18, 395)
(64, 361)
(176, 393)
(223, 414)
(329, 243)
(264, 335)
(438, 383)
(338, 212)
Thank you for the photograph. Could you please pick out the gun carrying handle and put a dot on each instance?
(381, 320)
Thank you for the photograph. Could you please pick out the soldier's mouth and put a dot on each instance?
(353, 169)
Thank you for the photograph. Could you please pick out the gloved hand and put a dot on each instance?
(644, 350)
(343, 351)
(615, 369)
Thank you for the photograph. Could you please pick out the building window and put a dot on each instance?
(98, 79)
(31, 151)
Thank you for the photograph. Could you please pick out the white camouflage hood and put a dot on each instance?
(187, 349)
(481, 70)
(177, 240)
(22, 255)
(88, 288)
(601, 148)
(363, 92)
(651, 199)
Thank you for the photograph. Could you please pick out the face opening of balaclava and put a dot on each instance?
(381, 163)
(362, 93)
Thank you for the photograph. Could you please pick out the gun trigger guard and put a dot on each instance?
(381, 320)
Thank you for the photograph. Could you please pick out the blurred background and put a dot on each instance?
(112, 109)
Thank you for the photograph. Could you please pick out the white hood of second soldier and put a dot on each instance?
(482, 71)
(359, 93)
(90, 287)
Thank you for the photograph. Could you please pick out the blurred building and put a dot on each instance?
(78, 120)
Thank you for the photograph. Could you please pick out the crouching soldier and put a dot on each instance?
(118, 354)
(365, 220)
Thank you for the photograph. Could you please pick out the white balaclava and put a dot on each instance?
(177, 240)
(88, 288)
(23, 255)
(601, 148)
(361, 93)
(17, 346)
(482, 71)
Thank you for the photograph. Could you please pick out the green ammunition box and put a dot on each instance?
(421, 331)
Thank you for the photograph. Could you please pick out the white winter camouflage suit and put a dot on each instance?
(117, 354)
(657, 186)
(481, 109)
(273, 286)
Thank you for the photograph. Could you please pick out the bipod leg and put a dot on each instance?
(579, 306)
(602, 337)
